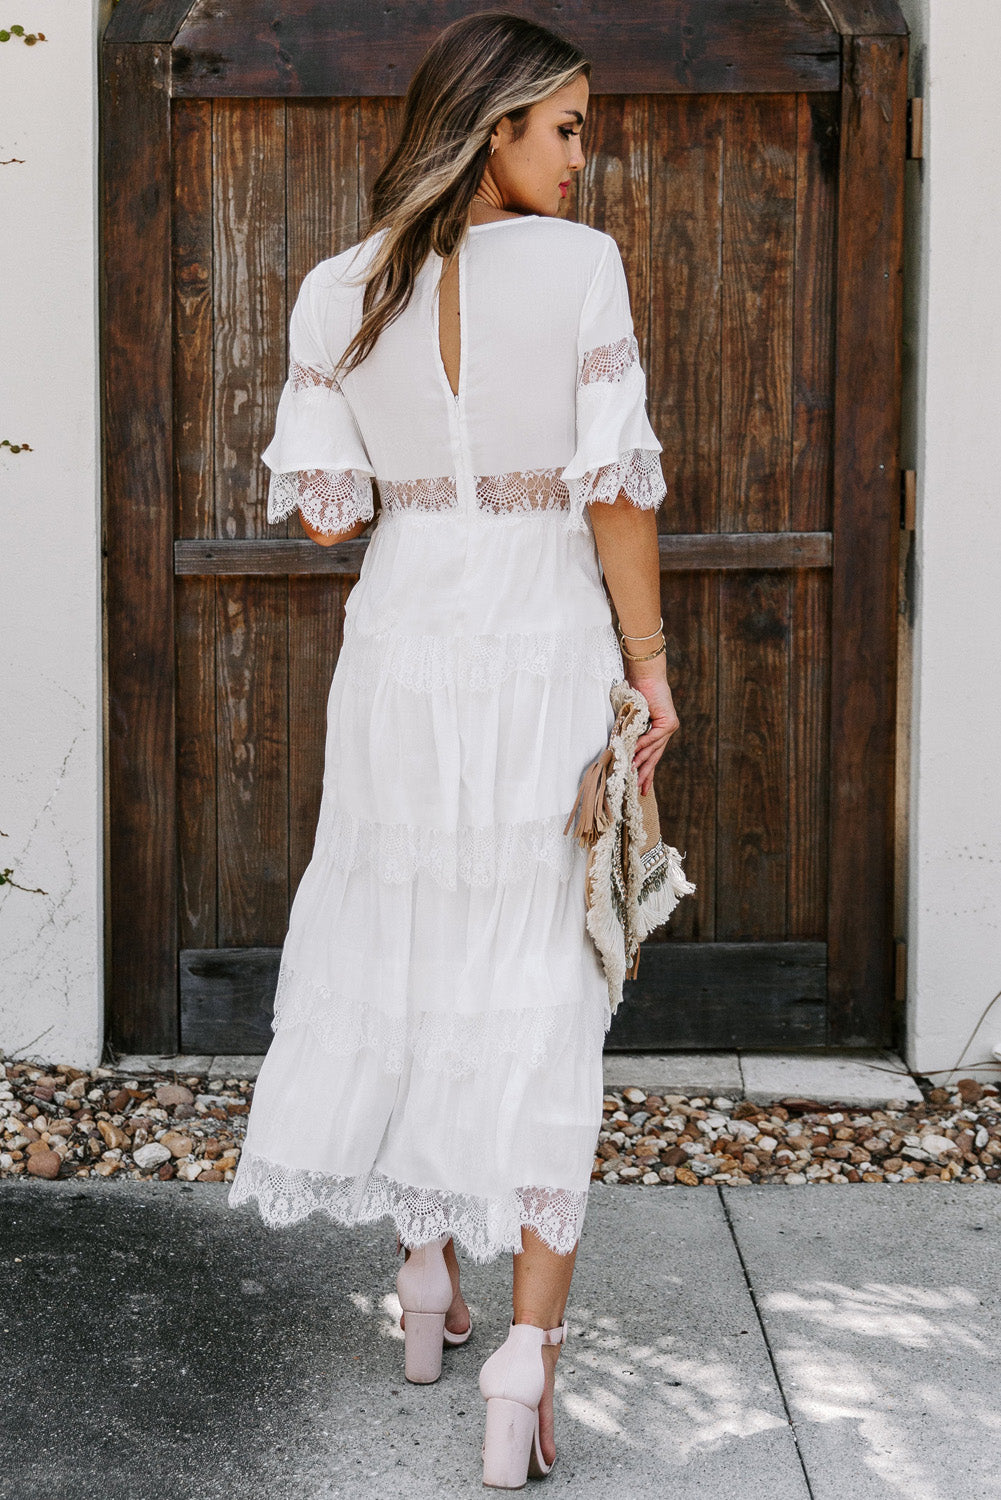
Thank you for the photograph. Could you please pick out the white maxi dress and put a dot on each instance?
(441, 1011)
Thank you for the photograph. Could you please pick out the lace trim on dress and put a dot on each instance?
(484, 1227)
(478, 663)
(609, 362)
(477, 856)
(528, 490)
(419, 495)
(329, 499)
(439, 1042)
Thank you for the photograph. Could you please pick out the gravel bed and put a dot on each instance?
(953, 1136)
(65, 1122)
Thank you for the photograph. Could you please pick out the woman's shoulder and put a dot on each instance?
(340, 270)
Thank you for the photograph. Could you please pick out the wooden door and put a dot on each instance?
(743, 198)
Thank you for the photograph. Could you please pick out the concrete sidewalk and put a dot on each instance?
(761, 1343)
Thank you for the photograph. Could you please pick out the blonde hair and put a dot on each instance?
(481, 68)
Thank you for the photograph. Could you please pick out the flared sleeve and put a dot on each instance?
(616, 448)
(317, 457)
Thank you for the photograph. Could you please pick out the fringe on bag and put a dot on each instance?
(633, 880)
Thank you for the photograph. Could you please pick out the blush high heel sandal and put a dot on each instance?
(424, 1288)
(512, 1381)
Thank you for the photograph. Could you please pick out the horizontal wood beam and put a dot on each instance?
(694, 996)
(259, 49)
(281, 557)
(686, 995)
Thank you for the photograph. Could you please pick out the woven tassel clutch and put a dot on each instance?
(633, 880)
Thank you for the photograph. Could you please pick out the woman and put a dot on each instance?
(440, 1010)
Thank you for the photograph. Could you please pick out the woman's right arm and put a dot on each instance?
(626, 539)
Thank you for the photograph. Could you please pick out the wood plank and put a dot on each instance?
(193, 353)
(141, 860)
(678, 554)
(866, 506)
(252, 751)
(194, 497)
(809, 759)
(752, 767)
(379, 123)
(146, 20)
(249, 293)
(705, 995)
(817, 118)
(683, 369)
(867, 17)
(251, 613)
(227, 999)
(685, 776)
(813, 313)
(759, 224)
(686, 995)
(352, 49)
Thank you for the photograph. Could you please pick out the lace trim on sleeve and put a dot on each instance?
(330, 500)
(637, 472)
(305, 378)
(609, 362)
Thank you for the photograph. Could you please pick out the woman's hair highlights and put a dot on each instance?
(481, 68)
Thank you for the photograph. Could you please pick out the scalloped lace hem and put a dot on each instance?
(484, 1227)
(441, 1042)
(637, 472)
(479, 663)
(493, 854)
(331, 500)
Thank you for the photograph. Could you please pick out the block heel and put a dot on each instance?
(507, 1447)
(424, 1288)
(512, 1382)
(423, 1343)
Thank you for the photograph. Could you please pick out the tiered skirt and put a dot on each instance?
(441, 1011)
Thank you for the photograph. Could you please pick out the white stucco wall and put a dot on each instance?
(51, 989)
(954, 899)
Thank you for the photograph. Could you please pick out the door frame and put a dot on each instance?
(156, 50)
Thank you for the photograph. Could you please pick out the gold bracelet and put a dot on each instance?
(649, 637)
(660, 651)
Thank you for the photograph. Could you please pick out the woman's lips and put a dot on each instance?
(563, 188)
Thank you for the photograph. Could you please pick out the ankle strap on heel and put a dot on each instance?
(549, 1335)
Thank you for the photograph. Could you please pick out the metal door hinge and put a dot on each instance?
(915, 121)
(908, 494)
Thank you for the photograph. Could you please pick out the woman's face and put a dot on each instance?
(532, 175)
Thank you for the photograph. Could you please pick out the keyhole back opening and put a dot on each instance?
(449, 331)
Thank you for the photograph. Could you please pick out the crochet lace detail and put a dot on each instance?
(305, 378)
(419, 495)
(478, 663)
(492, 854)
(330, 500)
(527, 490)
(441, 1042)
(483, 1227)
(637, 471)
(609, 362)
